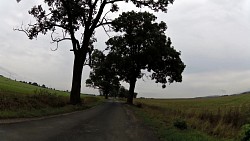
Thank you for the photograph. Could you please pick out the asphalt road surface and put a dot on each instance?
(111, 121)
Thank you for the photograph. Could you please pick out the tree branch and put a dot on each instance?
(113, 1)
(103, 18)
(95, 3)
(103, 24)
(57, 40)
(75, 42)
(106, 31)
(98, 16)
(22, 30)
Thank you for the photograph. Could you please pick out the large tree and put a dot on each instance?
(143, 45)
(77, 20)
(103, 75)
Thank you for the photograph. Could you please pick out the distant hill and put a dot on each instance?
(10, 86)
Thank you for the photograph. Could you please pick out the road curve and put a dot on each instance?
(111, 121)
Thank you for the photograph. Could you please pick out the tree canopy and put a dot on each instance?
(103, 75)
(77, 20)
(143, 45)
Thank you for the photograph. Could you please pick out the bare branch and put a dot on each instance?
(103, 24)
(55, 48)
(103, 18)
(113, 1)
(57, 39)
(98, 16)
(22, 30)
(106, 31)
(107, 22)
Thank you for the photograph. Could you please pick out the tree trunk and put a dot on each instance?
(131, 91)
(77, 78)
(106, 96)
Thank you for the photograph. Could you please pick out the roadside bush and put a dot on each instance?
(40, 99)
(180, 124)
(245, 133)
(138, 104)
(47, 98)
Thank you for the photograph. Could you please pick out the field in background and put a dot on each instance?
(219, 118)
(19, 100)
(8, 86)
(207, 119)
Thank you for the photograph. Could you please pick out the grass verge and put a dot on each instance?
(41, 103)
(23, 100)
(165, 129)
(221, 117)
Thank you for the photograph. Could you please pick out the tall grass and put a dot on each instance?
(18, 100)
(41, 103)
(220, 117)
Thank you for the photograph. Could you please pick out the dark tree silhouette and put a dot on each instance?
(72, 17)
(143, 45)
(103, 75)
(43, 86)
(35, 84)
(123, 92)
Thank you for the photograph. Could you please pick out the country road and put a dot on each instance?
(111, 121)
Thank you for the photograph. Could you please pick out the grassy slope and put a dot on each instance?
(18, 100)
(221, 118)
(8, 86)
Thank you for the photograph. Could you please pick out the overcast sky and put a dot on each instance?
(213, 37)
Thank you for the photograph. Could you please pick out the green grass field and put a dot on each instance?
(19, 100)
(219, 118)
(207, 119)
(8, 86)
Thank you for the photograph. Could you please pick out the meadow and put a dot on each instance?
(217, 118)
(22, 100)
(224, 118)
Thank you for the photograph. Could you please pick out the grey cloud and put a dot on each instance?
(213, 37)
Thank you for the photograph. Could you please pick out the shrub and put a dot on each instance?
(138, 104)
(245, 133)
(48, 99)
(180, 124)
